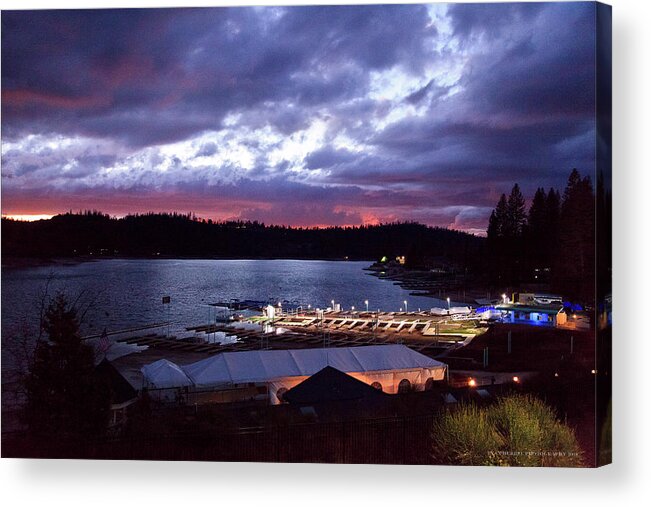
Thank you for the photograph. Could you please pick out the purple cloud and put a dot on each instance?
(345, 114)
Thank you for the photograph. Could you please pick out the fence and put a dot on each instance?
(399, 440)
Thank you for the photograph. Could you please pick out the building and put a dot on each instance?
(534, 314)
(330, 385)
(268, 374)
(122, 392)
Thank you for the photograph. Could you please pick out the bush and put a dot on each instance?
(518, 430)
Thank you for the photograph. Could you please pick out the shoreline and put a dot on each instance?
(423, 283)
(11, 263)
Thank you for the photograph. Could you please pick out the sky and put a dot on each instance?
(305, 116)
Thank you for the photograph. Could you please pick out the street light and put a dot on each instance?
(366, 303)
(504, 298)
(448, 304)
(333, 304)
(352, 308)
(405, 302)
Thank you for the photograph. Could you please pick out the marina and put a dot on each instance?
(422, 332)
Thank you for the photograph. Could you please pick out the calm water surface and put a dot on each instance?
(128, 292)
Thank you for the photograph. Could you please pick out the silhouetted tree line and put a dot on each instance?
(553, 242)
(171, 234)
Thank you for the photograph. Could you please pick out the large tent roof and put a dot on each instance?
(266, 365)
(162, 374)
(121, 390)
(330, 384)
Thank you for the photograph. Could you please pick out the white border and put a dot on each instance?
(627, 482)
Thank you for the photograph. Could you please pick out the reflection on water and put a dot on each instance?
(128, 292)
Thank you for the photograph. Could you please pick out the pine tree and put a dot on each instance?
(515, 222)
(537, 220)
(536, 229)
(64, 397)
(501, 214)
(496, 240)
(493, 227)
(574, 271)
(516, 215)
(553, 225)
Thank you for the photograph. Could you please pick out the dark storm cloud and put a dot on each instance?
(328, 157)
(130, 73)
(491, 19)
(553, 75)
(337, 114)
(429, 88)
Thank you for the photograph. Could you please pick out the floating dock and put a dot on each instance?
(421, 331)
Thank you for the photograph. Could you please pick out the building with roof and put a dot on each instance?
(534, 314)
(271, 373)
(330, 384)
(122, 392)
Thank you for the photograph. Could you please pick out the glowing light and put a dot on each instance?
(28, 218)
(472, 382)
(516, 379)
(594, 372)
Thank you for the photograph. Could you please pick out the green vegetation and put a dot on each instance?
(553, 242)
(152, 235)
(518, 430)
(65, 399)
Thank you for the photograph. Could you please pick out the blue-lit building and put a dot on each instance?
(533, 314)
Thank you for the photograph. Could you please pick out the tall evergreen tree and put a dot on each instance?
(553, 211)
(64, 396)
(493, 227)
(496, 240)
(553, 225)
(574, 271)
(501, 214)
(516, 214)
(536, 241)
(515, 222)
(537, 220)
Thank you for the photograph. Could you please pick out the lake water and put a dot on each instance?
(128, 292)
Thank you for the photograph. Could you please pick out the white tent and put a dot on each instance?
(386, 365)
(164, 374)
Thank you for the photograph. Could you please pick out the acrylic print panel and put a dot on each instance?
(341, 234)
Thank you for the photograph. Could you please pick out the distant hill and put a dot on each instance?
(155, 234)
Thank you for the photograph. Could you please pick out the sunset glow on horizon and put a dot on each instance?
(302, 116)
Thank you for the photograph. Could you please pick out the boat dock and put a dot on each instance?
(421, 331)
(407, 324)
